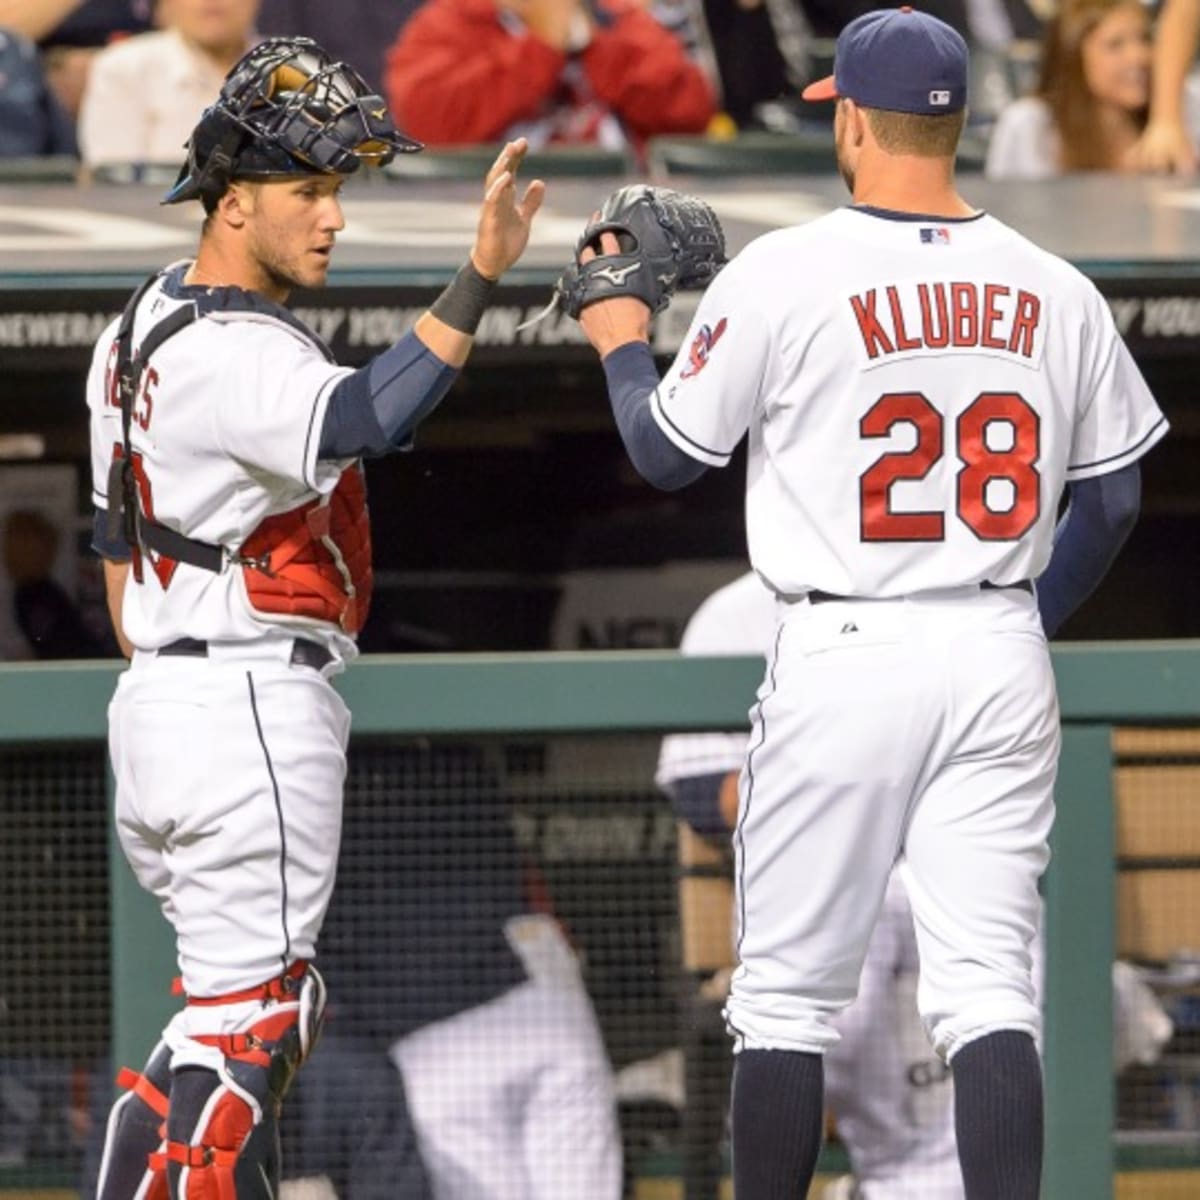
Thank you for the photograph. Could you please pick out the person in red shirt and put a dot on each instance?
(560, 71)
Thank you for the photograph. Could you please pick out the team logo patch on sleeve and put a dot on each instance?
(935, 236)
(702, 346)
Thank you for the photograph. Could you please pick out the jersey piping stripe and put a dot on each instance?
(744, 815)
(312, 420)
(1123, 453)
(691, 441)
(283, 887)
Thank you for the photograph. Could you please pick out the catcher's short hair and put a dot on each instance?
(287, 108)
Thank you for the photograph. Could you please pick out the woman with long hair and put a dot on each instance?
(1092, 100)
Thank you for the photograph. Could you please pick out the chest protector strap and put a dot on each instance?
(125, 514)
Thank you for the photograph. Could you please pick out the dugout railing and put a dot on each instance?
(52, 710)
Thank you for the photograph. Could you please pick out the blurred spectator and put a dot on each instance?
(437, 954)
(752, 64)
(69, 33)
(355, 31)
(32, 122)
(829, 17)
(1168, 142)
(554, 71)
(347, 1129)
(766, 50)
(76, 22)
(145, 93)
(45, 614)
(1090, 106)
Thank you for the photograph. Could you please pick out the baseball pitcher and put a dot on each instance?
(919, 384)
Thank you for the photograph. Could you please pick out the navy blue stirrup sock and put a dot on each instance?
(998, 1116)
(778, 1114)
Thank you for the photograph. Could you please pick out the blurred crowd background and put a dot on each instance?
(1081, 85)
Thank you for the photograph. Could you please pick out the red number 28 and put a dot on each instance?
(982, 465)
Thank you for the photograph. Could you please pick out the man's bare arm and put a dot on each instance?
(115, 575)
(1166, 144)
(35, 18)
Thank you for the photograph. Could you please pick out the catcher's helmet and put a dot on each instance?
(287, 108)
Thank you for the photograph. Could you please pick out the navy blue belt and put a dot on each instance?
(304, 652)
(818, 597)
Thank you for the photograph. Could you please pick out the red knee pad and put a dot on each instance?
(208, 1163)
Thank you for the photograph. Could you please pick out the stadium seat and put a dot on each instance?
(58, 168)
(470, 162)
(154, 174)
(808, 153)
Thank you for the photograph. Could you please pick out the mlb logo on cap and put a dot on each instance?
(899, 60)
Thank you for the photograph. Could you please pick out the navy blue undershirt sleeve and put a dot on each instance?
(697, 800)
(1099, 517)
(632, 379)
(375, 410)
(116, 548)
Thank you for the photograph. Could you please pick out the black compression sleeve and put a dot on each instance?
(632, 380)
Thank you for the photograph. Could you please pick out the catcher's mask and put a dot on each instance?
(287, 108)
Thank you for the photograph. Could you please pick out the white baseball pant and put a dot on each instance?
(229, 773)
(925, 726)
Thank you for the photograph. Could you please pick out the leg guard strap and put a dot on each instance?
(282, 987)
(135, 1131)
(192, 1156)
(144, 1089)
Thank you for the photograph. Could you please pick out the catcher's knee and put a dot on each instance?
(214, 1133)
(135, 1131)
(213, 1149)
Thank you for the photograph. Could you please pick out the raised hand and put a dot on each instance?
(504, 224)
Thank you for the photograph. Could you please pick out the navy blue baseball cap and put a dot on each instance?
(900, 60)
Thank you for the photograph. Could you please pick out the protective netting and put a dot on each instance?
(54, 961)
(1157, 984)
(461, 863)
(525, 956)
(523, 928)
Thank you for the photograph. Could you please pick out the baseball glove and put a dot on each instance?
(668, 241)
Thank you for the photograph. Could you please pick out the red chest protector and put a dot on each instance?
(314, 561)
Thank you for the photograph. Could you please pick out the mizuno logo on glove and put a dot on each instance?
(616, 275)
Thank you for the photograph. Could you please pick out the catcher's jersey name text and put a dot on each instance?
(901, 318)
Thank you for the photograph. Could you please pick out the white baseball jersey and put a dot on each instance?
(224, 433)
(917, 393)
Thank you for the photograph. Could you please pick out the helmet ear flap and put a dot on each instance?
(211, 161)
